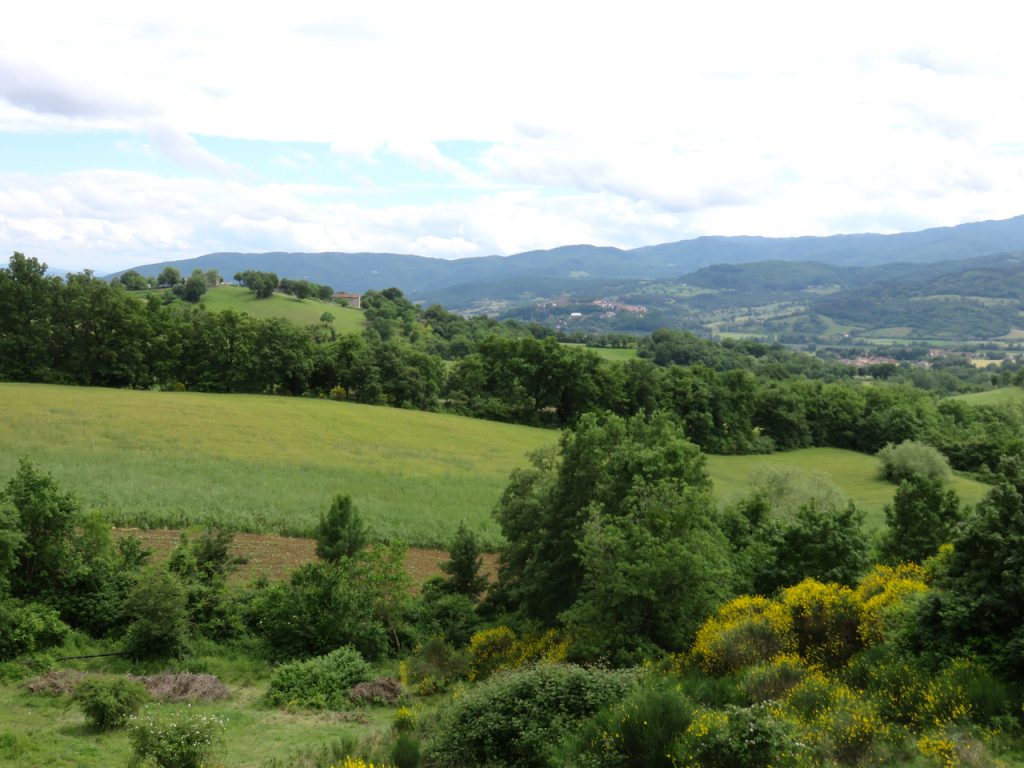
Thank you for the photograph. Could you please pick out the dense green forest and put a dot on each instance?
(631, 620)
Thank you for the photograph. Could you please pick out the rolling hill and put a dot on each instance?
(272, 464)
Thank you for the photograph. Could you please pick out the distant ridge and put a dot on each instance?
(461, 281)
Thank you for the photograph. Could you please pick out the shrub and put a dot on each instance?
(320, 683)
(175, 739)
(881, 594)
(109, 703)
(159, 612)
(515, 718)
(638, 731)
(773, 679)
(964, 691)
(840, 723)
(27, 628)
(491, 650)
(406, 751)
(825, 619)
(434, 666)
(739, 737)
(404, 720)
(913, 459)
(745, 631)
(451, 616)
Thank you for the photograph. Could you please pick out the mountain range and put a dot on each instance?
(522, 277)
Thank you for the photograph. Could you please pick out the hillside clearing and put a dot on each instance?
(298, 311)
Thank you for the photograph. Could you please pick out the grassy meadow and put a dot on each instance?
(298, 311)
(1000, 396)
(856, 475)
(608, 353)
(262, 463)
(49, 730)
(271, 464)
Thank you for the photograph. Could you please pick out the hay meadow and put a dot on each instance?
(271, 464)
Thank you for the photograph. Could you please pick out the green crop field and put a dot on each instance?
(1000, 396)
(271, 464)
(263, 463)
(856, 474)
(298, 311)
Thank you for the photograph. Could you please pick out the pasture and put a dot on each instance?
(271, 464)
(262, 463)
(1000, 396)
(298, 311)
(856, 475)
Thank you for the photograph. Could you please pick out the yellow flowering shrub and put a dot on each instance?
(404, 720)
(881, 592)
(947, 698)
(492, 650)
(825, 619)
(358, 762)
(745, 631)
(775, 678)
(839, 720)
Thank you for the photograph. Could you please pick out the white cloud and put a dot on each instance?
(184, 150)
(605, 123)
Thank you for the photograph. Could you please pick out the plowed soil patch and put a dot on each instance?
(277, 556)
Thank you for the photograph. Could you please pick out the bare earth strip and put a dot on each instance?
(277, 556)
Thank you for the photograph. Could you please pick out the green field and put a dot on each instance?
(298, 311)
(263, 463)
(271, 464)
(50, 730)
(608, 353)
(1000, 396)
(856, 474)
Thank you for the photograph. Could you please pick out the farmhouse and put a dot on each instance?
(351, 299)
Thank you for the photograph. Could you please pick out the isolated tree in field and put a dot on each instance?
(463, 567)
(212, 277)
(341, 532)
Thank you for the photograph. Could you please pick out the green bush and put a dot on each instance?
(109, 703)
(434, 666)
(406, 751)
(319, 683)
(159, 613)
(27, 628)
(911, 459)
(748, 737)
(175, 738)
(516, 718)
(638, 731)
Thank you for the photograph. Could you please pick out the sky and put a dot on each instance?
(132, 133)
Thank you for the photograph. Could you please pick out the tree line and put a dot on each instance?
(731, 398)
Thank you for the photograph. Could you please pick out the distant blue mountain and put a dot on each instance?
(461, 281)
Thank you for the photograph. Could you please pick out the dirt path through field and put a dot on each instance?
(278, 556)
